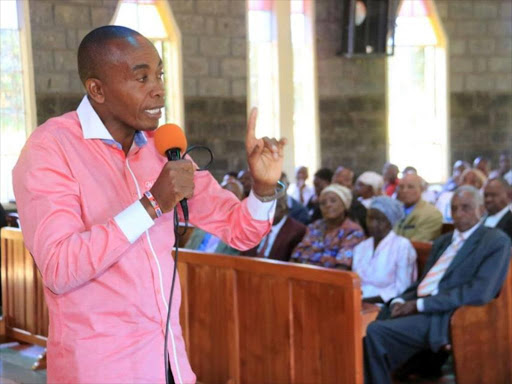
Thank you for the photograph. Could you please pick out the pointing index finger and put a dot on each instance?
(251, 125)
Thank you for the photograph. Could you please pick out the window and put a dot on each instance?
(282, 82)
(417, 92)
(17, 105)
(154, 20)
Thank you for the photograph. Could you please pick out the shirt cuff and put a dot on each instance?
(133, 221)
(398, 300)
(420, 305)
(260, 210)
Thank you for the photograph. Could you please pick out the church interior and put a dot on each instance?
(383, 103)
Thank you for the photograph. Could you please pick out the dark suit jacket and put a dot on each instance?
(289, 236)
(505, 224)
(474, 277)
(297, 211)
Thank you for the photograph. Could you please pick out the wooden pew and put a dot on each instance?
(481, 336)
(25, 315)
(248, 320)
(482, 340)
(423, 249)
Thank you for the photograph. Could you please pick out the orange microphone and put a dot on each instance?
(170, 141)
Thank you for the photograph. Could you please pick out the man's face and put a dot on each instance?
(343, 176)
(495, 197)
(363, 190)
(471, 178)
(465, 211)
(319, 185)
(389, 172)
(132, 83)
(302, 174)
(246, 179)
(409, 189)
(281, 209)
(482, 165)
(504, 164)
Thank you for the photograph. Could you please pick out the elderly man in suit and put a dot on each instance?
(466, 267)
(497, 198)
(422, 221)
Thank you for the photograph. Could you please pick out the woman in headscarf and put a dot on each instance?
(385, 262)
(329, 241)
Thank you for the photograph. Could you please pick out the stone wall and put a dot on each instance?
(57, 29)
(352, 92)
(352, 99)
(214, 66)
(215, 76)
(480, 69)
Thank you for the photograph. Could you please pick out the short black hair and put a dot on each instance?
(324, 174)
(92, 48)
(502, 181)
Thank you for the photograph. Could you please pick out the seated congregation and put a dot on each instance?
(372, 227)
(376, 227)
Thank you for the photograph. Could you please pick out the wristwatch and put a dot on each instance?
(280, 191)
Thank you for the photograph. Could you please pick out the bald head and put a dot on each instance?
(409, 189)
(343, 176)
(96, 49)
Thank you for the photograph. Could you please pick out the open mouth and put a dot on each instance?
(154, 113)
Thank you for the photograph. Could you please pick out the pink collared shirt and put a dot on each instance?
(106, 265)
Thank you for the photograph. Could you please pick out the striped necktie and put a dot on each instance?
(436, 273)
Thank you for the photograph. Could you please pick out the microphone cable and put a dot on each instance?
(177, 235)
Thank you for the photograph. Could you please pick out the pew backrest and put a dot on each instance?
(248, 320)
(25, 314)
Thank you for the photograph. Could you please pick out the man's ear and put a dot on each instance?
(95, 90)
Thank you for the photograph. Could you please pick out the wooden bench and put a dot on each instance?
(248, 320)
(25, 315)
(481, 336)
(482, 340)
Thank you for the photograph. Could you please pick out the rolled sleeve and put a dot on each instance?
(260, 210)
(134, 221)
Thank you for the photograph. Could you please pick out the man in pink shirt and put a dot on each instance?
(103, 252)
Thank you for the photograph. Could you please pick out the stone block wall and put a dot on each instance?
(352, 92)
(57, 28)
(480, 73)
(214, 66)
(352, 99)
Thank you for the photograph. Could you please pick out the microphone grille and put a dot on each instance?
(170, 136)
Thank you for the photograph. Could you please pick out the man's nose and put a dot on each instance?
(158, 90)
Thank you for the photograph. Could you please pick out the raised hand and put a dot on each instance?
(265, 158)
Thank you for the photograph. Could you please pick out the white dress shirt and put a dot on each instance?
(465, 235)
(387, 271)
(271, 236)
(492, 221)
(508, 176)
(307, 193)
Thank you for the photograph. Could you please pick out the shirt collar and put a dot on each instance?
(498, 216)
(278, 226)
(465, 235)
(93, 127)
(408, 210)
